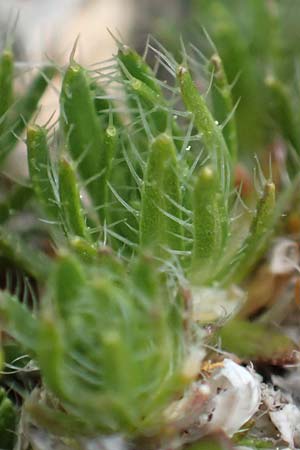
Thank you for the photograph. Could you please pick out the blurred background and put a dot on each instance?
(51, 27)
(258, 40)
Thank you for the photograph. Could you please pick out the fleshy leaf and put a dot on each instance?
(256, 342)
(160, 223)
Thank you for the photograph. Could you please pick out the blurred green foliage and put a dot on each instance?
(256, 40)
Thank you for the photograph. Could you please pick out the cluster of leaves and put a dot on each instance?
(263, 73)
(134, 187)
(159, 183)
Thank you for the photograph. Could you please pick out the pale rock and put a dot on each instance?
(235, 398)
(287, 421)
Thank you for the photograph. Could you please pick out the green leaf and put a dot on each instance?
(161, 222)
(210, 131)
(18, 321)
(24, 256)
(104, 106)
(207, 224)
(108, 153)
(256, 341)
(40, 170)
(138, 68)
(152, 101)
(6, 85)
(23, 109)
(87, 252)
(141, 83)
(261, 229)
(67, 283)
(223, 105)
(71, 209)
(83, 134)
(282, 112)
(57, 422)
(8, 422)
(211, 443)
(243, 68)
(256, 444)
(14, 201)
(52, 363)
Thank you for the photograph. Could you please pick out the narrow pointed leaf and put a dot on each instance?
(24, 256)
(240, 66)
(15, 201)
(55, 421)
(23, 109)
(142, 83)
(51, 363)
(261, 228)
(223, 105)
(257, 342)
(18, 321)
(157, 225)
(82, 130)
(207, 222)
(218, 442)
(282, 112)
(68, 281)
(105, 106)
(40, 168)
(138, 68)
(108, 153)
(6, 85)
(152, 101)
(207, 127)
(87, 252)
(8, 421)
(70, 203)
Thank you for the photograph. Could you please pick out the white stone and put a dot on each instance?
(287, 421)
(235, 398)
